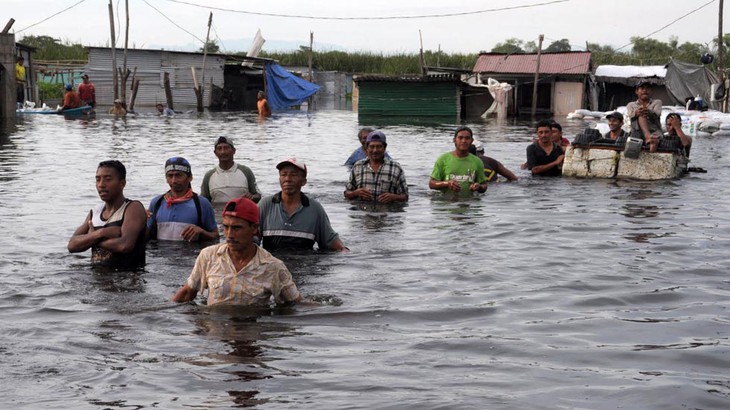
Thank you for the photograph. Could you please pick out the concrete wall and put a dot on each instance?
(7, 77)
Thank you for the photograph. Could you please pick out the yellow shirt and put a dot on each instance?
(19, 73)
(262, 278)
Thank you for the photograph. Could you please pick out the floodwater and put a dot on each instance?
(542, 294)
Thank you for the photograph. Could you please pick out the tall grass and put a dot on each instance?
(372, 63)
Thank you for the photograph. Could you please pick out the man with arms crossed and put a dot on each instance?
(114, 229)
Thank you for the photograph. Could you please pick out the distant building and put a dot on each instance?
(151, 65)
(431, 96)
(564, 83)
(616, 84)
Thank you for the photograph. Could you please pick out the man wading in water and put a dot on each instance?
(114, 229)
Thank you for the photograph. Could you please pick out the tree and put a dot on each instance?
(558, 46)
(212, 47)
(49, 48)
(510, 46)
(650, 51)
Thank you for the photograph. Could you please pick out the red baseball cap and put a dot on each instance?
(243, 208)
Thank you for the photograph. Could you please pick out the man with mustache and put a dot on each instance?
(180, 214)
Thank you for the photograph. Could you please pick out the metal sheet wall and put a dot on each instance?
(408, 99)
(151, 65)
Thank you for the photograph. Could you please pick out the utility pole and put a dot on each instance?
(720, 45)
(537, 75)
(199, 90)
(720, 65)
(125, 71)
(311, 75)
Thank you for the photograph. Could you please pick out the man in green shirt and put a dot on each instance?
(459, 171)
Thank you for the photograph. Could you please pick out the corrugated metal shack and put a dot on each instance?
(151, 66)
(563, 85)
(407, 96)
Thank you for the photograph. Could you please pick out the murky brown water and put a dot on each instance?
(545, 293)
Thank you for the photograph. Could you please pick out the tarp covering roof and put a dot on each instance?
(574, 62)
(630, 74)
(685, 80)
(626, 71)
(284, 89)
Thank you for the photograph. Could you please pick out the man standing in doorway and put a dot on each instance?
(20, 79)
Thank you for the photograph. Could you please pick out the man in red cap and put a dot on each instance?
(238, 272)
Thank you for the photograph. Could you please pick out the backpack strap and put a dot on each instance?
(198, 209)
(155, 208)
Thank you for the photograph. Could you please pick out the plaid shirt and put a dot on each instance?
(263, 277)
(389, 178)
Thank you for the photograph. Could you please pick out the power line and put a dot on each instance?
(465, 13)
(52, 16)
(669, 24)
(170, 20)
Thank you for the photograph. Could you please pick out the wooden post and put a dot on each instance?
(200, 90)
(537, 76)
(168, 91)
(125, 71)
(8, 26)
(311, 76)
(135, 87)
(115, 80)
(424, 71)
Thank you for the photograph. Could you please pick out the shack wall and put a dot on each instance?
(414, 99)
(151, 66)
(7, 77)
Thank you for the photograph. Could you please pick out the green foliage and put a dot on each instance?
(559, 46)
(49, 48)
(510, 46)
(50, 90)
(365, 62)
(213, 47)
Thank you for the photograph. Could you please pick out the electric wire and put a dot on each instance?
(51, 16)
(176, 25)
(465, 13)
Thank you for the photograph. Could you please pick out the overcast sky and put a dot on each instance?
(609, 22)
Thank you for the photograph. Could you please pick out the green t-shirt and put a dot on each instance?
(466, 170)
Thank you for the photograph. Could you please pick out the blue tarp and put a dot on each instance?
(284, 89)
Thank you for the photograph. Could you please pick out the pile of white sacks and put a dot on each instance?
(694, 123)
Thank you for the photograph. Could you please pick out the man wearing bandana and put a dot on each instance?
(180, 214)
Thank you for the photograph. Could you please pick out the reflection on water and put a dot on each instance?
(499, 301)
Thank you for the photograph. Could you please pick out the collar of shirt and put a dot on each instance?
(231, 169)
